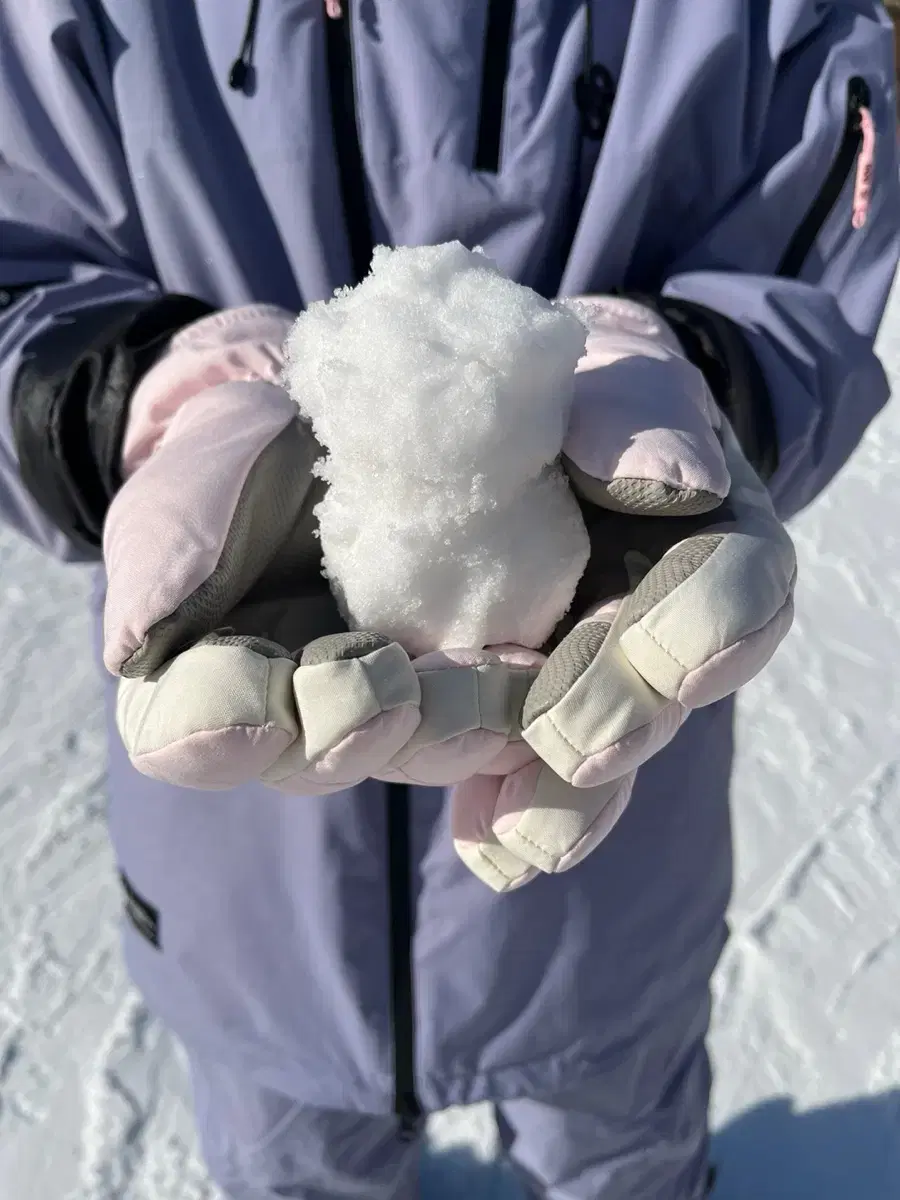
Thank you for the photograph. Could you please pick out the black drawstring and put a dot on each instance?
(588, 56)
(241, 69)
(594, 88)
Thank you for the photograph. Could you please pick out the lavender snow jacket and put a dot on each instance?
(707, 154)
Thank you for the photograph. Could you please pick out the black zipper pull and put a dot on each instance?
(595, 92)
(595, 89)
(241, 75)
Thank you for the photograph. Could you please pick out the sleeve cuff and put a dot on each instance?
(70, 403)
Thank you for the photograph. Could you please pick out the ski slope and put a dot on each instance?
(807, 1033)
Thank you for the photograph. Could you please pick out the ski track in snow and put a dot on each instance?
(806, 1041)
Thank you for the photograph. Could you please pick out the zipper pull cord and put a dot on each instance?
(240, 75)
(865, 168)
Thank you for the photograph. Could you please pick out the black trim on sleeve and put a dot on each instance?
(717, 346)
(70, 401)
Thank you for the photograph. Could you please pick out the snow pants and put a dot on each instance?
(583, 1145)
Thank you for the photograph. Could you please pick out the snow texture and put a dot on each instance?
(441, 391)
(807, 1030)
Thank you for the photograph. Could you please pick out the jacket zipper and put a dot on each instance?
(345, 131)
(859, 97)
(351, 174)
(400, 917)
(494, 73)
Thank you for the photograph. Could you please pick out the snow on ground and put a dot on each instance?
(807, 1034)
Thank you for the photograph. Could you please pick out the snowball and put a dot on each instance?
(440, 391)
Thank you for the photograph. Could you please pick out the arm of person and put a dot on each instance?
(789, 353)
(82, 316)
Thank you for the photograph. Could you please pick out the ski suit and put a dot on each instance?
(331, 966)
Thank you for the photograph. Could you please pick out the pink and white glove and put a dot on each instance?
(687, 595)
(234, 664)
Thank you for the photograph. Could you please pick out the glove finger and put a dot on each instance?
(358, 700)
(711, 613)
(214, 717)
(552, 825)
(591, 716)
(642, 430)
(703, 621)
(472, 806)
(514, 755)
(705, 616)
(192, 529)
(470, 705)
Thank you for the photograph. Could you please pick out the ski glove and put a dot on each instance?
(234, 663)
(688, 592)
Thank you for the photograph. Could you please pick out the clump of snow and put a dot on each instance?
(440, 390)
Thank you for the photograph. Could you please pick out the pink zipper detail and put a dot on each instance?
(334, 9)
(865, 169)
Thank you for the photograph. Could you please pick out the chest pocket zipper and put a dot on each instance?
(855, 152)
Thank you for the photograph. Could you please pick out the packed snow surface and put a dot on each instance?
(441, 391)
(806, 1037)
